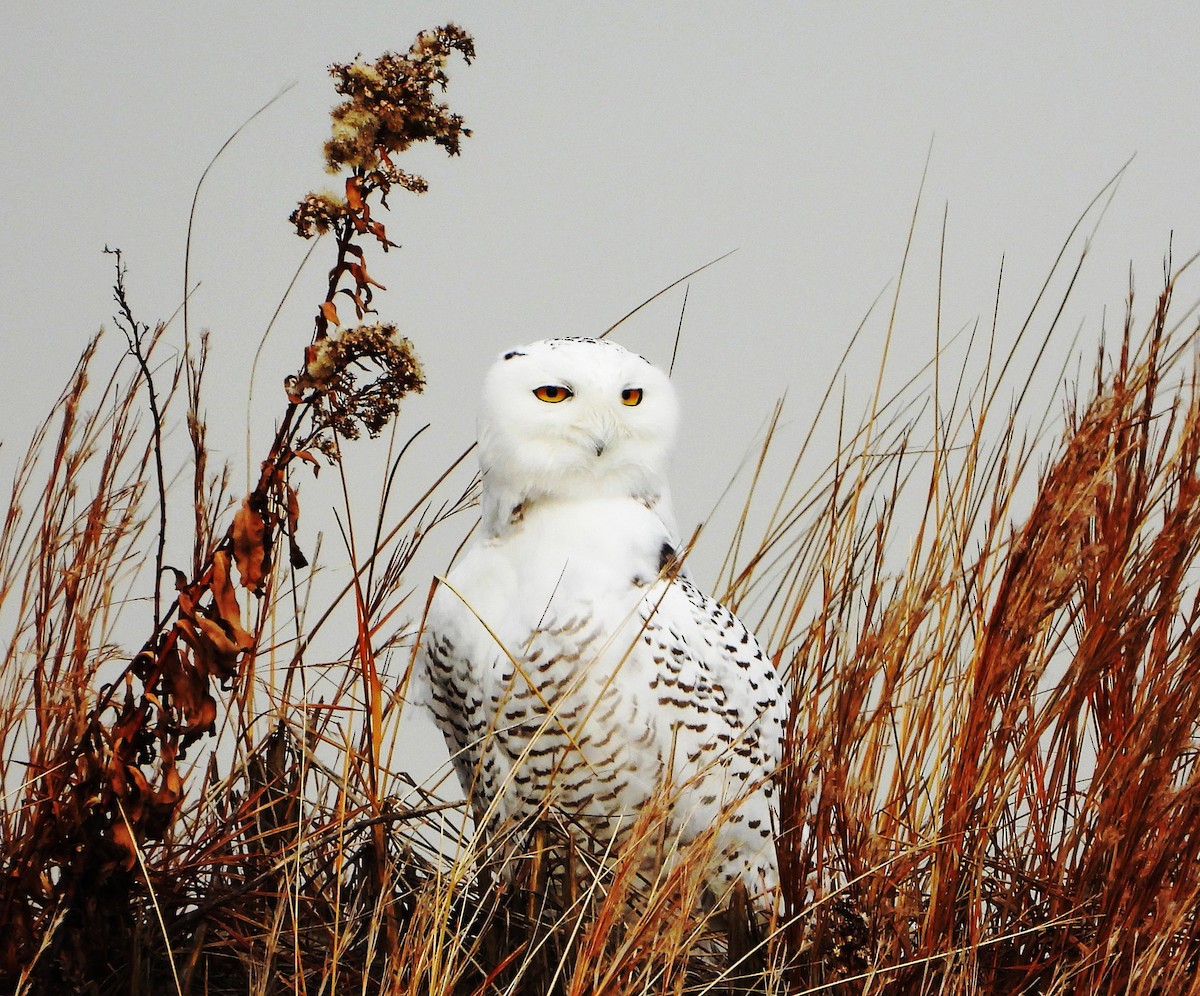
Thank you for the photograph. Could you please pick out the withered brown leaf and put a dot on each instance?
(249, 551)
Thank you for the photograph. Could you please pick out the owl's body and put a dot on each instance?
(570, 667)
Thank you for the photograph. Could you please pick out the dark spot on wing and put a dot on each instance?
(513, 352)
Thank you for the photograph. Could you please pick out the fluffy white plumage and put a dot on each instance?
(568, 667)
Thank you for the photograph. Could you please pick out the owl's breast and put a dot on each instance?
(600, 550)
(579, 563)
(542, 622)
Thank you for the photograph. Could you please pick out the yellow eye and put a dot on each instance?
(553, 393)
(631, 396)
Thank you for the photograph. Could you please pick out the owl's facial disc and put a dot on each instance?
(569, 418)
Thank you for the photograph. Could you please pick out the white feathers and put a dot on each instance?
(592, 444)
(567, 668)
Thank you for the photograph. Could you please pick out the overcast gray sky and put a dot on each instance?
(616, 147)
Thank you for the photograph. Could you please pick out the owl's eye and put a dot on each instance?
(631, 396)
(553, 393)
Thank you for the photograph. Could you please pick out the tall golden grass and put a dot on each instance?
(991, 633)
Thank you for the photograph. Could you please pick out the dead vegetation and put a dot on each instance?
(995, 712)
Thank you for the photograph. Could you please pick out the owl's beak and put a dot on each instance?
(599, 435)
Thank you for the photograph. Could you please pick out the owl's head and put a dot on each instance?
(574, 418)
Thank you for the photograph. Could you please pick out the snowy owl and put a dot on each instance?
(571, 666)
